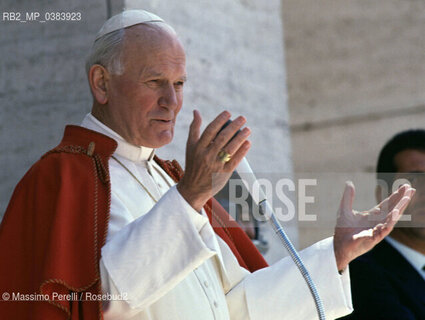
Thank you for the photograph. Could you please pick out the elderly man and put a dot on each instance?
(100, 214)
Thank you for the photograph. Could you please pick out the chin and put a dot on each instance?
(161, 140)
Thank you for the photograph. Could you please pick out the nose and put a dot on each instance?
(168, 98)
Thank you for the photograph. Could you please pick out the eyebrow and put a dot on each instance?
(152, 73)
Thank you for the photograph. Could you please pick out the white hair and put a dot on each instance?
(107, 50)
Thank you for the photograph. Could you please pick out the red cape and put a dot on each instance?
(56, 223)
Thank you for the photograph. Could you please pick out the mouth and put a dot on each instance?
(163, 121)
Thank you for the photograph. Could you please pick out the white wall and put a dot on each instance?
(356, 73)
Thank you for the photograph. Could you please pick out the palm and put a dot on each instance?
(358, 232)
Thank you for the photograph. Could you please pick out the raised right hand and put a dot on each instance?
(205, 174)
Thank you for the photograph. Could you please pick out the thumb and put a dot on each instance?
(347, 198)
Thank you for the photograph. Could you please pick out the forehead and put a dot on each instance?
(153, 47)
(410, 160)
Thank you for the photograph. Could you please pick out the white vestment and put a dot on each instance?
(166, 261)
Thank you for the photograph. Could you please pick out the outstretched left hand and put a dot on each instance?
(358, 232)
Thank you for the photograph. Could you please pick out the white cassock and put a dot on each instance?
(166, 260)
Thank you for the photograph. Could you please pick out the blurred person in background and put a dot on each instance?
(388, 282)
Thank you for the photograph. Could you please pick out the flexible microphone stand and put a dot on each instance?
(248, 178)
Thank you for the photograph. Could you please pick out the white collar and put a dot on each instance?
(415, 258)
(124, 148)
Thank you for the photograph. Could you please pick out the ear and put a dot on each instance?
(378, 193)
(98, 80)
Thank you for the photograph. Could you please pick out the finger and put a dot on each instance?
(226, 135)
(213, 128)
(395, 214)
(391, 220)
(238, 156)
(347, 198)
(389, 203)
(413, 192)
(379, 232)
(403, 203)
(237, 141)
(195, 127)
(385, 215)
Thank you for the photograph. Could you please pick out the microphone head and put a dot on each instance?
(250, 181)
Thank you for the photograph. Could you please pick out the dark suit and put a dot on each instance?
(384, 285)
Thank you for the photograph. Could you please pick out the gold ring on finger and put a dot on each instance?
(224, 156)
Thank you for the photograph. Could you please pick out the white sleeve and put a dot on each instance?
(150, 256)
(280, 292)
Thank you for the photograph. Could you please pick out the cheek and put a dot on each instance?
(142, 104)
(121, 96)
(179, 103)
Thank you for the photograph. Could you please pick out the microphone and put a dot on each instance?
(249, 180)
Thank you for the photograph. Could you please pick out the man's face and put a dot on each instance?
(411, 165)
(143, 102)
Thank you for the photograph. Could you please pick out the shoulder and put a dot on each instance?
(56, 167)
(79, 152)
(72, 168)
